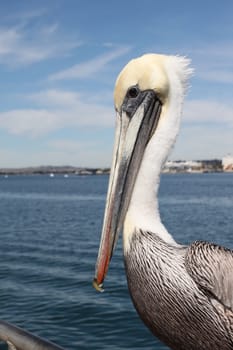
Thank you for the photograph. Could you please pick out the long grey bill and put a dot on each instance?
(19, 339)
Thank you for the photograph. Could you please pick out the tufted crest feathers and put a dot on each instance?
(152, 71)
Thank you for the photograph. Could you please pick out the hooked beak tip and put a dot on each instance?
(97, 286)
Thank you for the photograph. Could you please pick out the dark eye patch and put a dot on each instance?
(133, 92)
(135, 97)
(132, 100)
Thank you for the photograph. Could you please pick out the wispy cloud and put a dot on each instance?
(55, 97)
(89, 68)
(201, 112)
(60, 152)
(69, 146)
(20, 45)
(217, 75)
(9, 39)
(25, 16)
(214, 62)
(82, 153)
(58, 109)
(198, 142)
(202, 129)
(29, 122)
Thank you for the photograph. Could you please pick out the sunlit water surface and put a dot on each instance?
(49, 237)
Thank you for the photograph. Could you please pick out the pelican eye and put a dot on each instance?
(133, 92)
(132, 100)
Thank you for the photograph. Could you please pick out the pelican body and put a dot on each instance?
(184, 294)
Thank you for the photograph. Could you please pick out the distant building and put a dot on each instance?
(227, 163)
(182, 166)
(84, 172)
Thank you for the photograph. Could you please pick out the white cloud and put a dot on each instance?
(89, 68)
(58, 109)
(65, 98)
(199, 142)
(214, 62)
(55, 97)
(25, 16)
(58, 152)
(222, 50)
(85, 157)
(79, 153)
(69, 146)
(74, 148)
(211, 62)
(217, 75)
(21, 46)
(204, 111)
(29, 122)
(9, 39)
(206, 131)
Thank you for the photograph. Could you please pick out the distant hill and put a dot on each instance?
(212, 165)
(50, 169)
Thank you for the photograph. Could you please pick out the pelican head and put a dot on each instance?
(147, 93)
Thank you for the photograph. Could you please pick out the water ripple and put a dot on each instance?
(49, 237)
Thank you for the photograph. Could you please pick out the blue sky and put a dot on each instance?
(58, 65)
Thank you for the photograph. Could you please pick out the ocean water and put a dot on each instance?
(49, 237)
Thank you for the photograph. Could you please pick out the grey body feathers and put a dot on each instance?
(183, 294)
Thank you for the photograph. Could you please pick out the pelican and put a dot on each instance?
(184, 294)
(19, 339)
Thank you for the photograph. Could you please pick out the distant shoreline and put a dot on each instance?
(203, 166)
(54, 170)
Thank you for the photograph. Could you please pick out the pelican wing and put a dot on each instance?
(19, 339)
(211, 267)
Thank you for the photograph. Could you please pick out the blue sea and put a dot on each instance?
(49, 237)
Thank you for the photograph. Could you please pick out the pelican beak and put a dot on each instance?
(136, 122)
(20, 339)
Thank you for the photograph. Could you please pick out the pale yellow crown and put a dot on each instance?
(148, 72)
